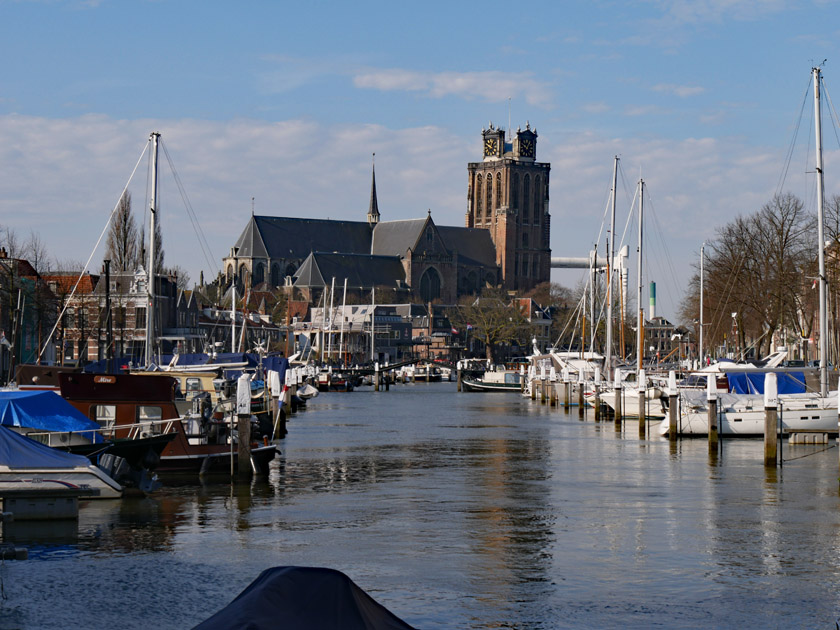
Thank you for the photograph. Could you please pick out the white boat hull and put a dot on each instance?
(54, 479)
(745, 418)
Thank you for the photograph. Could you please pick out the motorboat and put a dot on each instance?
(26, 464)
(498, 379)
(124, 403)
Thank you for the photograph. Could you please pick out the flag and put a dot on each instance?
(469, 326)
(454, 330)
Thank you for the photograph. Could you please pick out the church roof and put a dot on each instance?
(361, 270)
(394, 238)
(474, 245)
(286, 237)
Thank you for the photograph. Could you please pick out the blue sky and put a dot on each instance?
(286, 102)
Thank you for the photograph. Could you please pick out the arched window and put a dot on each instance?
(498, 190)
(537, 204)
(526, 199)
(472, 283)
(290, 269)
(478, 190)
(276, 278)
(524, 239)
(489, 205)
(430, 285)
(259, 273)
(525, 265)
(535, 269)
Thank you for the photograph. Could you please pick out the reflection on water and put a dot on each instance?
(462, 511)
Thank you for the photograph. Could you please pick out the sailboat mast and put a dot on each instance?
(640, 317)
(610, 262)
(821, 238)
(702, 260)
(150, 285)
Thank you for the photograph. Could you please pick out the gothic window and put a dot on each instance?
(516, 265)
(290, 269)
(524, 239)
(430, 285)
(535, 267)
(275, 275)
(489, 205)
(514, 193)
(259, 273)
(525, 265)
(478, 199)
(526, 199)
(537, 204)
(472, 282)
(498, 190)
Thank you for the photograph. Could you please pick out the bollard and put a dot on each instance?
(532, 380)
(521, 379)
(672, 405)
(771, 420)
(460, 376)
(376, 377)
(567, 389)
(711, 398)
(597, 391)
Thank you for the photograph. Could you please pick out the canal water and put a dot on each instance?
(462, 511)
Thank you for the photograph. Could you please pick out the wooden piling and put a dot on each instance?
(581, 405)
(597, 402)
(244, 469)
(672, 405)
(771, 420)
(642, 412)
(618, 406)
(713, 424)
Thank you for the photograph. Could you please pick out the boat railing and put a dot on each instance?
(134, 431)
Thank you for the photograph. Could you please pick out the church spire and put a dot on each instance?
(373, 209)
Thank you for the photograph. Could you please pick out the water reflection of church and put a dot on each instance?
(505, 241)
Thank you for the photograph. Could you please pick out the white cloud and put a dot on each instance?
(682, 91)
(491, 86)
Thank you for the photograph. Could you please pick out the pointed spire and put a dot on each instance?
(373, 209)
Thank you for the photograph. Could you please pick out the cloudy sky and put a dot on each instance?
(285, 103)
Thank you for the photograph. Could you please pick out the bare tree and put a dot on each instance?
(123, 248)
(492, 320)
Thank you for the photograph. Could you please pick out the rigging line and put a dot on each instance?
(202, 241)
(789, 154)
(575, 316)
(98, 242)
(832, 112)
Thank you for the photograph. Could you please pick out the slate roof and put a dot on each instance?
(393, 238)
(474, 245)
(286, 237)
(361, 270)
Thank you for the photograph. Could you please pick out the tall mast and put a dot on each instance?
(702, 260)
(640, 316)
(821, 238)
(150, 309)
(610, 262)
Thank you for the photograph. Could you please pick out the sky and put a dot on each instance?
(277, 108)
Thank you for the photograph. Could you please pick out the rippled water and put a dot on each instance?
(462, 511)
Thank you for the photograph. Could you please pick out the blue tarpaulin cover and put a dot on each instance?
(303, 598)
(45, 411)
(747, 383)
(19, 451)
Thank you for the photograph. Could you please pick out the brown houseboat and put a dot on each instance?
(126, 402)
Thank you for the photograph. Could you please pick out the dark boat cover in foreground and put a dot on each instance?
(303, 598)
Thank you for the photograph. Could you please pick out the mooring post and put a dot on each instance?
(521, 379)
(552, 387)
(642, 403)
(566, 388)
(771, 420)
(459, 373)
(542, 384)
(672, 405)
(387, 378)
(711, 403)
(581, 383)
(617, 391)
(376, 376)
(597, 398)
(532, 381)
(243, 412)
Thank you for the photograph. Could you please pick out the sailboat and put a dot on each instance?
(743, 414)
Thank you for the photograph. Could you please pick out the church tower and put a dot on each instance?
(508, 195)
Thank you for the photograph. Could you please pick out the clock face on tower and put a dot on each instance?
(490, 146)
(526, 147)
